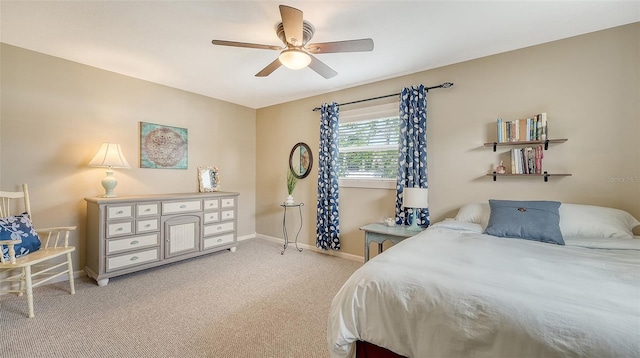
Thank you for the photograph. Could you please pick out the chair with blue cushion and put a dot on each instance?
(30, 257)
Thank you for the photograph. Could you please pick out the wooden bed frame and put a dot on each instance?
(370, 350)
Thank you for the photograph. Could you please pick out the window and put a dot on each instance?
(368, 147)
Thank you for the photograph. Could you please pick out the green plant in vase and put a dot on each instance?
(291, 185)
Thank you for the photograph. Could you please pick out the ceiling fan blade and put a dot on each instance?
(269, 69)
(292, 23)
(360, 45)
(322, 69)
(245, 44)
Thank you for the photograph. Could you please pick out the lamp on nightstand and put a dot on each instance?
(415, 198)
(110, 156)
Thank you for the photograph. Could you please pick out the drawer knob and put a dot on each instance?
(120, 212)
(148, 225)
(219, 228)
(182, 206)
(119, 229)
(148, 210)
(134, 242)
(134, 258)
(219, 240)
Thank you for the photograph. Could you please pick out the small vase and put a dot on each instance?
(290, 200)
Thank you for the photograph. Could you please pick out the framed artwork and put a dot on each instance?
(209, 179)
(163, 147)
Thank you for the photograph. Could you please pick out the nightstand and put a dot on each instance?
(380, 233)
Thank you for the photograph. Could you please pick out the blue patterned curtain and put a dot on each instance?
(328, 224)
(412, 159)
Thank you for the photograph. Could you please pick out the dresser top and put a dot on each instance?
(153, 197)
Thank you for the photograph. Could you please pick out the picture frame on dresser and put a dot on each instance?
(208, 179)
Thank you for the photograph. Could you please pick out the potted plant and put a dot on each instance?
(291, 184)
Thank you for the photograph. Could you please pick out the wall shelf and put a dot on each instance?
(545, 175)
(529, 142)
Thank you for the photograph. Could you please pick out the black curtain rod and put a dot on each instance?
(444, 85)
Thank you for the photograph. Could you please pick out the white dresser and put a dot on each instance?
(129, 234)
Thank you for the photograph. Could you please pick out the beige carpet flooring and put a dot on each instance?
(251, 303)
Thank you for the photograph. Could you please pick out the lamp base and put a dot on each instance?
(109, 183)
(414, 222)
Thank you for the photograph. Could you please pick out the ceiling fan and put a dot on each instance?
(295, 32)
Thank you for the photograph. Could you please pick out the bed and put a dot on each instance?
(455, 291)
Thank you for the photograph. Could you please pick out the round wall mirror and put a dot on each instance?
(300, 160)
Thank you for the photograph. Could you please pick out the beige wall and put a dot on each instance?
(55, 113)
(588, 85)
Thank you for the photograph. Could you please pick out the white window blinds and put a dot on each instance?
(368, 143)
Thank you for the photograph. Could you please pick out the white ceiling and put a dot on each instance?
(169, 42)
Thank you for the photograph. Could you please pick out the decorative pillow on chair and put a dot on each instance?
(19, 227)
(529, 220)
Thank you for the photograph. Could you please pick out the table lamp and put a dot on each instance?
(110, 156)
(415, 198)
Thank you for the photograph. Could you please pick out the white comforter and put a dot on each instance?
(453, 292)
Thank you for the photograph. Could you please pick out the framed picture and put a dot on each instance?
(163, 147)
(209, 179)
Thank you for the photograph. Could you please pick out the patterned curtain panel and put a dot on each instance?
(412, 159)
(327, 227)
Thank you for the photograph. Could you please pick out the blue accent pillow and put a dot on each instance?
(19, 227)
(529, 220)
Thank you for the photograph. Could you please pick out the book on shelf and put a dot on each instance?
(523, 130)
(527, 160)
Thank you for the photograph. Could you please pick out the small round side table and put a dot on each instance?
(286, 206)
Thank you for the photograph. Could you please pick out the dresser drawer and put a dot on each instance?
(148, 209)
(210, 204)
(228, 214)
(228, 202)
(147, 225)
(217, 240)
(173, 207)
(131, 243)
(137, 258)
(119, 212)
(211, 217)
(120, 228)
(218, 228)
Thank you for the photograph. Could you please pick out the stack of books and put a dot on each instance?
(527, 160)
(523, 130)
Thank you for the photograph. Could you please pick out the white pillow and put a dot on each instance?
(458, 225)
(596, 221)
(477, 213)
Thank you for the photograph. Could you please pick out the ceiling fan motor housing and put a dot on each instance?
(307, 34)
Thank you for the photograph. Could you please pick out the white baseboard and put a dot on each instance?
(246, 237)
(314, 248)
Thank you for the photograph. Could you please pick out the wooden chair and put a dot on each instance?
(53, 259)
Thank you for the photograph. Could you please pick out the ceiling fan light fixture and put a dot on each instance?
(294, 59)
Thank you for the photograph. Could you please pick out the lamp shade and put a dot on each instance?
(294, 59)
(109, 155)
(415, 198)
